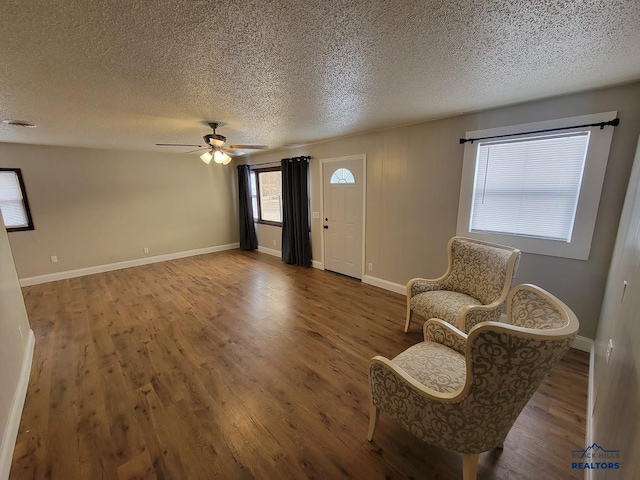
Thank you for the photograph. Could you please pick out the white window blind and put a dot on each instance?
(11, 201)
(529, 187)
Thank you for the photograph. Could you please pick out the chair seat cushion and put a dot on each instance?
(443, 304)
(434, 365)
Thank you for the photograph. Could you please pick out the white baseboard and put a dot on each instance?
(583, 344)
(317, 264)
(588, 474)
(270, 251)
(11, 433)
(81, 272)
(378, 282)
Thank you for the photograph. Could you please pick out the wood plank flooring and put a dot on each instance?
(235, 366)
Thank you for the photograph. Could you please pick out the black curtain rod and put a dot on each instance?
(614, 123)
(258, 166)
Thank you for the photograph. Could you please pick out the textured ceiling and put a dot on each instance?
(132, 73)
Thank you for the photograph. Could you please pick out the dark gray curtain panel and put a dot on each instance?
(248, 238)
(296, 231)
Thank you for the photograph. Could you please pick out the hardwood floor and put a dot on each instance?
(234, 365)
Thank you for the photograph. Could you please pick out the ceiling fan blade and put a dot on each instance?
(178, 145)
(246, 147)
(196, 150)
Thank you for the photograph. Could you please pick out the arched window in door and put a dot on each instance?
(342, 175)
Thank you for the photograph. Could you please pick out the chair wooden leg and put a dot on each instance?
(409, 315)
(469, 466)
(374, 415)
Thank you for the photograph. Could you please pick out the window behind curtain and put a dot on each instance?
(254, 195)
(266, 195)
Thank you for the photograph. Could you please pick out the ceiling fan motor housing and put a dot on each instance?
(214, 139)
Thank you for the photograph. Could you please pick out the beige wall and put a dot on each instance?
(94, 207)
(269, 236)
(413, 186)
(14, 328)
(616, 419)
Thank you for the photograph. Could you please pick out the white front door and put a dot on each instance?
(343, 222)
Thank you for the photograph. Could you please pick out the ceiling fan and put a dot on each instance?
(215, 146)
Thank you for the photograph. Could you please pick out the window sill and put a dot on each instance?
(266, 222)
(20, 229)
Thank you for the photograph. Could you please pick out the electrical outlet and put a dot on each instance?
(370, 266)
(609, 349)
(21, 335)
(316, 214)
(274, 243)
(145, 250)
(54, 259)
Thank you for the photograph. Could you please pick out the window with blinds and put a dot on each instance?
(538, 192)
(13, 201)
(529, 187)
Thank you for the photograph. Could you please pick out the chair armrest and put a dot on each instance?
(384, 372)
(421, 285)
(474, 314)
(439, 331)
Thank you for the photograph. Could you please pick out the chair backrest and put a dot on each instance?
(481, 270)
(506, 362)
(528, 307)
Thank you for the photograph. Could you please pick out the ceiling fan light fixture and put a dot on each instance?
(227, 159)
(206, 157)
(219, 157)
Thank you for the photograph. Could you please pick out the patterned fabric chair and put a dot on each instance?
(473, 288)
(464, 393)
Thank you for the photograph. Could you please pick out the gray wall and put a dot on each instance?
(92, 207)
(413, 186)
(616, 419)
(14, 329)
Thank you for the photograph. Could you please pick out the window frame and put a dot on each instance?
(257, 172)
(588, 197)
(25, 202)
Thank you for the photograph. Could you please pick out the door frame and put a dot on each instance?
(323, 162)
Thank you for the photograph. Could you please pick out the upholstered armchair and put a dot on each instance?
(464, 392)
(472, 290)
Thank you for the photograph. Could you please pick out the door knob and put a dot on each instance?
(325, 227)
